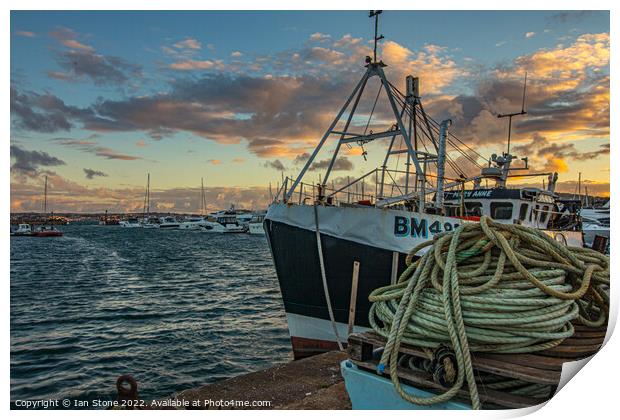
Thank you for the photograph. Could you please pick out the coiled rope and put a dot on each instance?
(488, 287)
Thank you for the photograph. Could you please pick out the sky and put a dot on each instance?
(100, 99)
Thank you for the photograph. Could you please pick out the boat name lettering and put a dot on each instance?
(454, 195)
(420, 227)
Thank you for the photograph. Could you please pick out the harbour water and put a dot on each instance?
(175, 309)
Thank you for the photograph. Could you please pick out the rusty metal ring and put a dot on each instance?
(132, 392)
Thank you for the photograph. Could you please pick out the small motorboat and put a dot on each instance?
(24, 229)
(131, 222)
(46, 231)
(168, 222)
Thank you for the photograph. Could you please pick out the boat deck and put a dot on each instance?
(544, 368)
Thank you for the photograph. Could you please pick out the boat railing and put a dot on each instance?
(379, 185)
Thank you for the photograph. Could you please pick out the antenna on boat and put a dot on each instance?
(515, 114)
(375, 14)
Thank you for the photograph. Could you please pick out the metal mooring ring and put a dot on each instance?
(124, 393)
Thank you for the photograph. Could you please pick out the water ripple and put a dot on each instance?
(176, 309)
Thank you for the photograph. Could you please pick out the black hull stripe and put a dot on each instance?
(297, 265)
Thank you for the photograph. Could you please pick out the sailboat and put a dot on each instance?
(197, 222)
(46, 230)
(146, 222)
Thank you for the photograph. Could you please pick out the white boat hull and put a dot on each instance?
(256, 229)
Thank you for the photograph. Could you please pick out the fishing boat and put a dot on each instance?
(319, 232)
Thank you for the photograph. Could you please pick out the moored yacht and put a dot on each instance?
(193, 223)
(255, 227)
(168, 222)
(226, 223)
(130, 222)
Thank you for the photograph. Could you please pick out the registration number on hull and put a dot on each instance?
(420, 227)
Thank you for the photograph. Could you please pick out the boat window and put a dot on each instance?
(544, 213)
(534, 212)
(501, 211)
(523, 211)
(451, 210)
(473, 208)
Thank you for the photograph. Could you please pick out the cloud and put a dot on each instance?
(572, 16)
(214, 161)
(301, 159)
(567, 97)
(318, 36)
(100, 69)
(112, 154)
(238, 160)
(91, 173)
(236, 54)
(28, 161)
(41, 112)
(530, 34)
(275, 164)
(80, 61)
(68, 38)
(553, 157)
(88, 145)
(70, 196)
(196, 65)
(141, 143)
(341, 164)
(26, 34)
(282, 109)
(189, 43)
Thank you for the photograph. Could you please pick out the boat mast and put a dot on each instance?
(374, 68)
(146, 209)
(203, 198)
(45, 197)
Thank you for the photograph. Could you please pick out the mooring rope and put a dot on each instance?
(488, 287)
(328, 300)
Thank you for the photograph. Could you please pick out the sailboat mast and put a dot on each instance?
(45, 197)
(203, 201)
(148, 194)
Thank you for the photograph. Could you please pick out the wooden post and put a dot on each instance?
(394, 276)
(352, 304)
